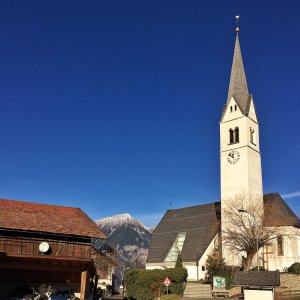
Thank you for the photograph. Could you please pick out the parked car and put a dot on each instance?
(62, 293)
(24, 293)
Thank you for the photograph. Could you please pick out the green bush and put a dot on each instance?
(143, 284)
(294, 268)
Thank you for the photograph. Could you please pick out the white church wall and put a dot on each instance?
(255, 177)
(290, 238)
(252, 112)
(197, 272)
(202, 261)
(192, 270)
(244, 175)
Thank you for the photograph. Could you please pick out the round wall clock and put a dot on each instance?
(233, 157)
(44, 247)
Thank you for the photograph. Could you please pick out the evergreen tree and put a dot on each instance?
(215, 264)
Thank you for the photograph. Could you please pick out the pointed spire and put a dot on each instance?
(238, 88)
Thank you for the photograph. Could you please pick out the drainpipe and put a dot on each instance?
(197, 264)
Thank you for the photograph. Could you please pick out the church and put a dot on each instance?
(193, 232)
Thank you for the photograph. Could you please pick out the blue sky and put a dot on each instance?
(113, 106)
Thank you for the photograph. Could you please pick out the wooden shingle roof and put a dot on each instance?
(35, 217)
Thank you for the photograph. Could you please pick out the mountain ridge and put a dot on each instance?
(129, 237)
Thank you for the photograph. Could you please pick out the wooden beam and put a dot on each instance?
(46, 257)
(85, 285)
(40, 262)
(19, 265)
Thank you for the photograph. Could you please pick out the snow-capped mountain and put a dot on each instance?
(129, 237)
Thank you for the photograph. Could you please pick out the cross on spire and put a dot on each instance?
(237, 28)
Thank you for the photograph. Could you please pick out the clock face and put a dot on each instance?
(44, 247)
(233, 157)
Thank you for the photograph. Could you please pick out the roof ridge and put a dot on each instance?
(209, 203)
(37, 203)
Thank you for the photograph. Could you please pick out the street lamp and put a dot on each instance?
(122, 277)
(257, 258)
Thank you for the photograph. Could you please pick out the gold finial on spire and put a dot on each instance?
(237, 19)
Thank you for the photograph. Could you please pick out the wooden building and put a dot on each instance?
(46, 246)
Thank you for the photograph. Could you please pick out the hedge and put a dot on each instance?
(143, 284)
(294, 268)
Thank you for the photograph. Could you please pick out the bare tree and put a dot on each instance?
(243, 228)
(104, 261)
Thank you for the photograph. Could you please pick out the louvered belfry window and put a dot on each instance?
(234, 136)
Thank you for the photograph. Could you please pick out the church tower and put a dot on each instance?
(240, 157)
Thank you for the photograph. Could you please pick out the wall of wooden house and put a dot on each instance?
(57, 247)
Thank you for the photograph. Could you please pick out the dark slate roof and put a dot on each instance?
(201, 224)
(62, 220)
(238, 88)
(257, 279)
(277, 212)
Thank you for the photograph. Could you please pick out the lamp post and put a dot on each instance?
(257, 258)
(123, 270)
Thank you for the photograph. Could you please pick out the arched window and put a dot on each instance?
(237, 135)
(252, 136)
(231, 138)
(234, 135)
(235, 107)
(230, 108)
(279, 245)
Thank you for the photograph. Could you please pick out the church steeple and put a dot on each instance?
(241, 174)
(238, 88)
(239, 137)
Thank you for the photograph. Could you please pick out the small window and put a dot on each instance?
(235, 107)
(203, 268)
(230, 108)
(279, 245)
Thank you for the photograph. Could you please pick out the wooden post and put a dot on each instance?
(85, 285)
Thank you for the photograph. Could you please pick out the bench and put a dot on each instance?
(220, 293)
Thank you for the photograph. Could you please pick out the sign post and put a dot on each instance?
(167, 282)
